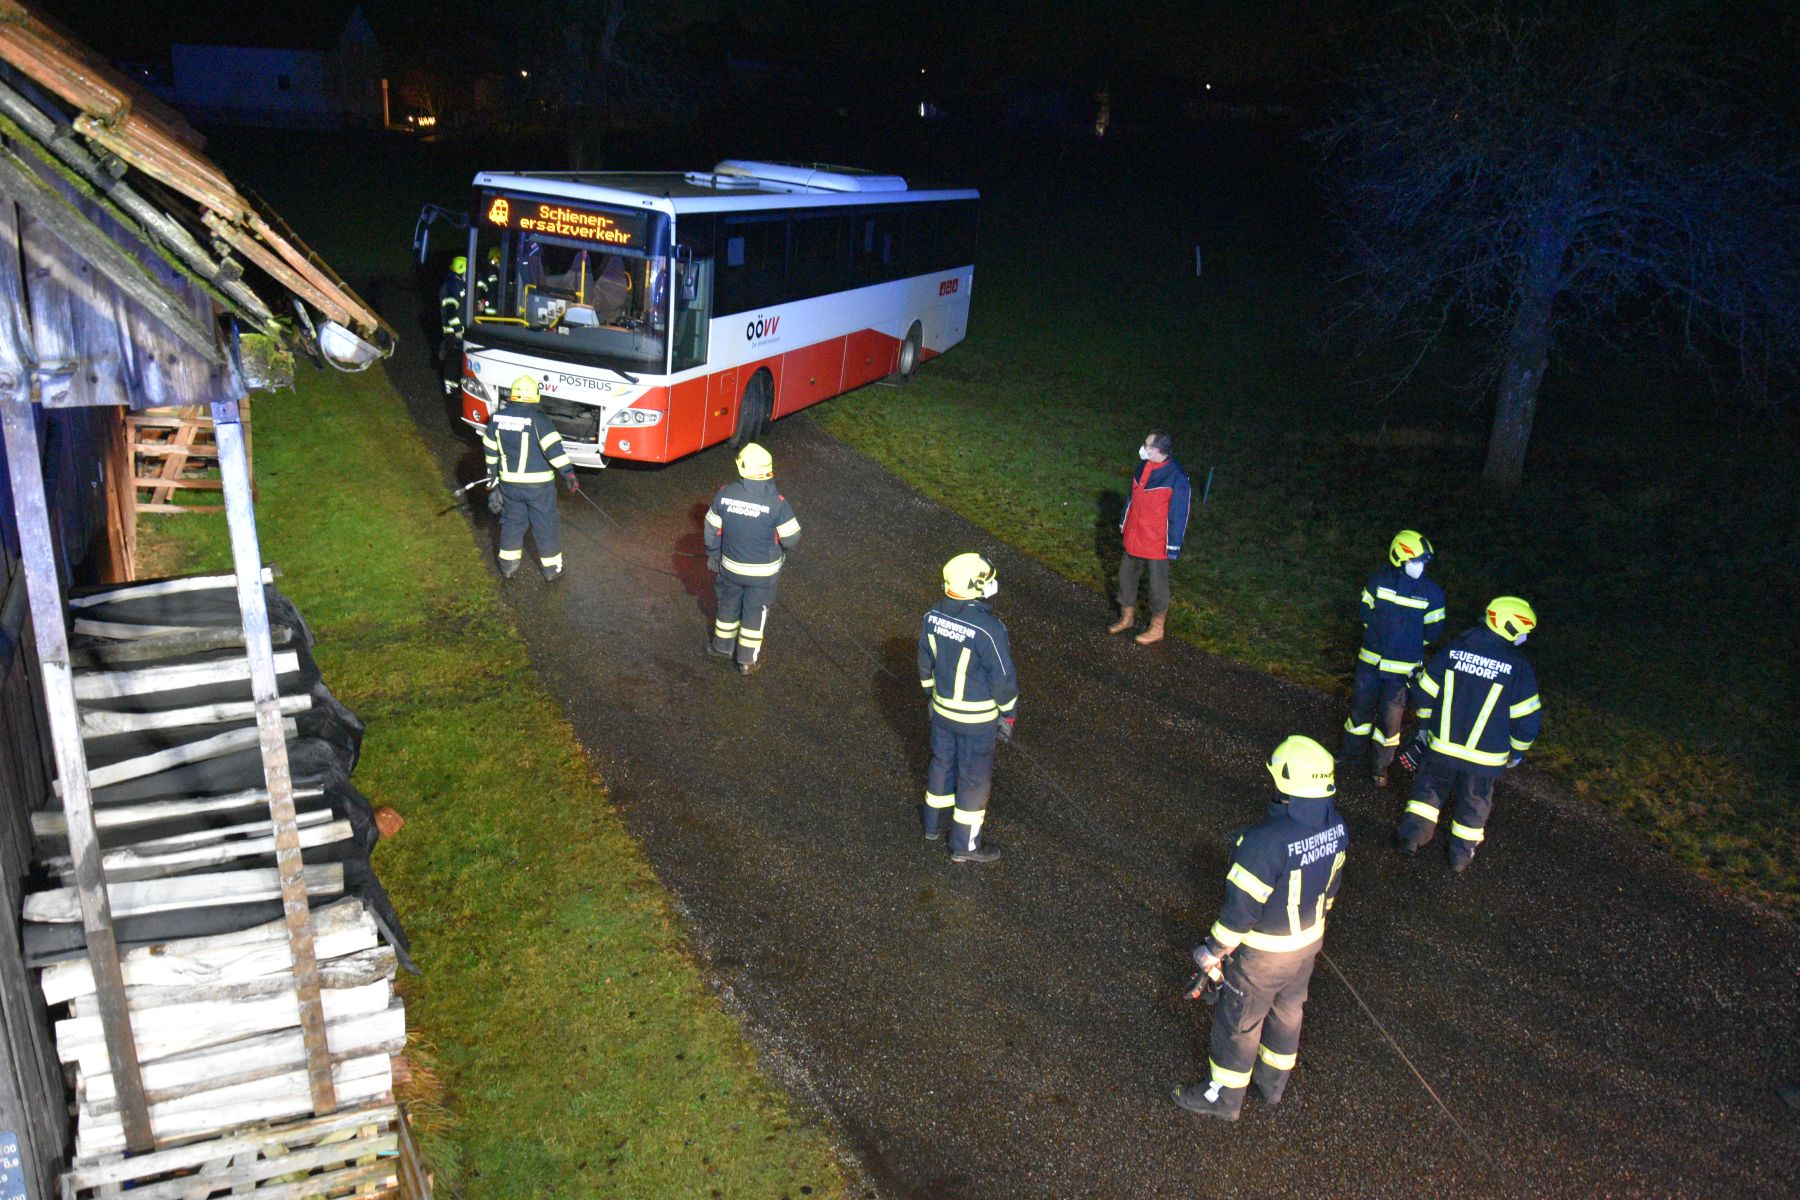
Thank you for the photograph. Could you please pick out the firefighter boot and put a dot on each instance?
(1209, 1099)
(1152, 634)
(1269, 1082)
(552, 574)
(1127, 618)
(509, 567)
(980, 852)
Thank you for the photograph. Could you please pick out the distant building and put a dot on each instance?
(280, 87)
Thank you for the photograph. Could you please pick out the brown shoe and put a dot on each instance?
(1152, 634)
(1127, 618)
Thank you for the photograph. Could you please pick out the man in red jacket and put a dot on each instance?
(1155, 521)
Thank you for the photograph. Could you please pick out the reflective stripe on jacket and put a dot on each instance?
(521, 445)
(1478, 700)
(1400, 617)
(965, 662)
(752, 526)
(1284, 877)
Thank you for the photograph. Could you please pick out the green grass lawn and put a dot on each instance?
(567, 1044)
(1650, 536)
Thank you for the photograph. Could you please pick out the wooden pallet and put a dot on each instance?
(363, 1152)
(174, 449)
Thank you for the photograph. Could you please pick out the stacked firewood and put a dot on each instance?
(181, 809)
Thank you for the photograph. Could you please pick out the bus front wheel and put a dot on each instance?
(909, 357)
(754, 410)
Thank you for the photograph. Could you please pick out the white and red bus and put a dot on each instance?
(664, 312)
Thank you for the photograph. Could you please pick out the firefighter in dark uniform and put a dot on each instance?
(1478, 708)
(450, 323)
(524, 455)
(487, 284)
(1284, 877)
(1402, 613)
(965, 664)
(750, 527)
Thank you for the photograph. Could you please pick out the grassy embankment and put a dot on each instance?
(567, 1043)
(1649, 535)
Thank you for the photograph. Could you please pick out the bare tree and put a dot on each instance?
(1526, 169)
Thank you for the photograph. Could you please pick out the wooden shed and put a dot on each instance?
(133, 275)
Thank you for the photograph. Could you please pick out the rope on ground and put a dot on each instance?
(1056, 784)
(1395, 1047)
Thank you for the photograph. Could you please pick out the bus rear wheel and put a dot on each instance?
(754, 410)
(909, 357)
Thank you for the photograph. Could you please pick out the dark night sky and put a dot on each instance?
(1226, 41)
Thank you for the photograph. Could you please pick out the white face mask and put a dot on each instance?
(1414, 568)
(1520, 640)
(1144, 453)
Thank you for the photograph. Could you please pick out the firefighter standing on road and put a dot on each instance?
(1284, 877)
(965, 665)
(450, 323)
(524, 452)
(1155, 521)
(1402, 612)
(750, 527)
(1478, 708)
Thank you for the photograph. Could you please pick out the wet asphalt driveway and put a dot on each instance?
(1600, 1023)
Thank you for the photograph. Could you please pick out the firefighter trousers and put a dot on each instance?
(1256, 1027)
(959, 781)
(1442, 780)
(530, 506)
(744, 605)
(1377, 707)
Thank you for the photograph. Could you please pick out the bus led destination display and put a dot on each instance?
(562, 220)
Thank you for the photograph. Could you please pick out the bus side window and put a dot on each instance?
(817, 262)
(875, 245)
(752, 263)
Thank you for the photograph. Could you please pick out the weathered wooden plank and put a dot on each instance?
(105, 724)
(173, 483)
(341, 928)
(217, 746)
(194, 840)
(25, 466)
(130, 865)
(113, 685)
(171, 645)
(163, 587)
(335, 974)
(260, 1169)
(60, 905)
(183, 1158)
(50, 824)
(240, 515)
(180, 1028)
(145, 507)
(121, 631)
(228, 1108)
(250, 1059)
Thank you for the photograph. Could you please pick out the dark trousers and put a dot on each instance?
(450, 361)
(1132, 569)
(1256, 1027)
(1444, 779)
(530, 506)
(960, 779)
(1377, 707)
(744, 605)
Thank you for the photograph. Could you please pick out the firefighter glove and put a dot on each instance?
(1514, 761)
(572, 483)
(712, 561)
(496, 502)
(1005, 729)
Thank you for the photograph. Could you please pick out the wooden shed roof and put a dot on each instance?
(132, 169)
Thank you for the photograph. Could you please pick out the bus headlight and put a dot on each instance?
(476, 391)
(634, 416)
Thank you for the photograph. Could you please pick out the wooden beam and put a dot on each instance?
(240, 516)
(184, 1158)
(33, 521)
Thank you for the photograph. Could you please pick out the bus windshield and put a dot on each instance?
(587, 282)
